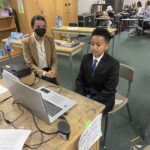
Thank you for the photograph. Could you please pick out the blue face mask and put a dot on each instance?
(40, 31)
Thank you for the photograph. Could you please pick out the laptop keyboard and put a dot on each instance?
(51, 109)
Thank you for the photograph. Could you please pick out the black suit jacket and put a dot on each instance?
(101, 86)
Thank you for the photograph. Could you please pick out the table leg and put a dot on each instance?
(120, 27)
(113, 45)
(82, 52)
(128, 26)
(71, 69)
(88, 48)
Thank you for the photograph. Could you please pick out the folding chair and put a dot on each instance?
(127, 73)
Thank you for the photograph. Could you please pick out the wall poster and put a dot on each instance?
(20, 6)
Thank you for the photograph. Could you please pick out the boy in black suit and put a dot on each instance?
(99, 72)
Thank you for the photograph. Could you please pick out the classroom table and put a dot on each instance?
(129, 23)
(82, 31)
(78, 30)
(69, 51)
(83, 112)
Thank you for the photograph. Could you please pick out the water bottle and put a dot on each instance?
(1, 53)
(58, 22)
(7, 46)
(4, 53)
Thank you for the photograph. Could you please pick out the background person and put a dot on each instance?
(145, 23)
(139, 10)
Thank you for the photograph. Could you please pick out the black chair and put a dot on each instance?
(146, 27)
(117, 21)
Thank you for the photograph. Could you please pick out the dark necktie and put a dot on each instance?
(94, 66)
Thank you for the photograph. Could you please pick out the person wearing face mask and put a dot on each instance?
(39, 51)
(99, 72)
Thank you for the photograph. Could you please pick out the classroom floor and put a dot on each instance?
(135, 52)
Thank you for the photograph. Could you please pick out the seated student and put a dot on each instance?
(39, 51)
(126, 9)
(139, 10)
(133, 8)
(99, 72)
(110, 13)
(146, 17)
(127, 12)
(145, 23)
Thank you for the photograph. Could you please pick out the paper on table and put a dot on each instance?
(3, 89)
(91, 134)
(13, 139)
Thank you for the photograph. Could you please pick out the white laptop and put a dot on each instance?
(43, 102)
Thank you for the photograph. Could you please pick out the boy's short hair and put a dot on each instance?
(102, 32)
(37, 17)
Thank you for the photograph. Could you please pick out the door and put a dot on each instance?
(72, 11)
(67, 9)
(48, 10)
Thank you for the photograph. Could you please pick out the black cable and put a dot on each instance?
(32, 132)
(11, 122)
(6, 120)
(1, 102)
(49, 133)
(20, 115)
(62, 117)
(39, 144)
(39, 130)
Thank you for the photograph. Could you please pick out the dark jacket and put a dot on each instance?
(101, 86)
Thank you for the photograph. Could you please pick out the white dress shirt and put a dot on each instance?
(41, 53)
(140, 11)
(146, 16)
(98, 59)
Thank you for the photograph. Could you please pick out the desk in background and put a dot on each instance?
(82, 31)
(129, 23)
(78, 30)
(101, 19)
(85, 110)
